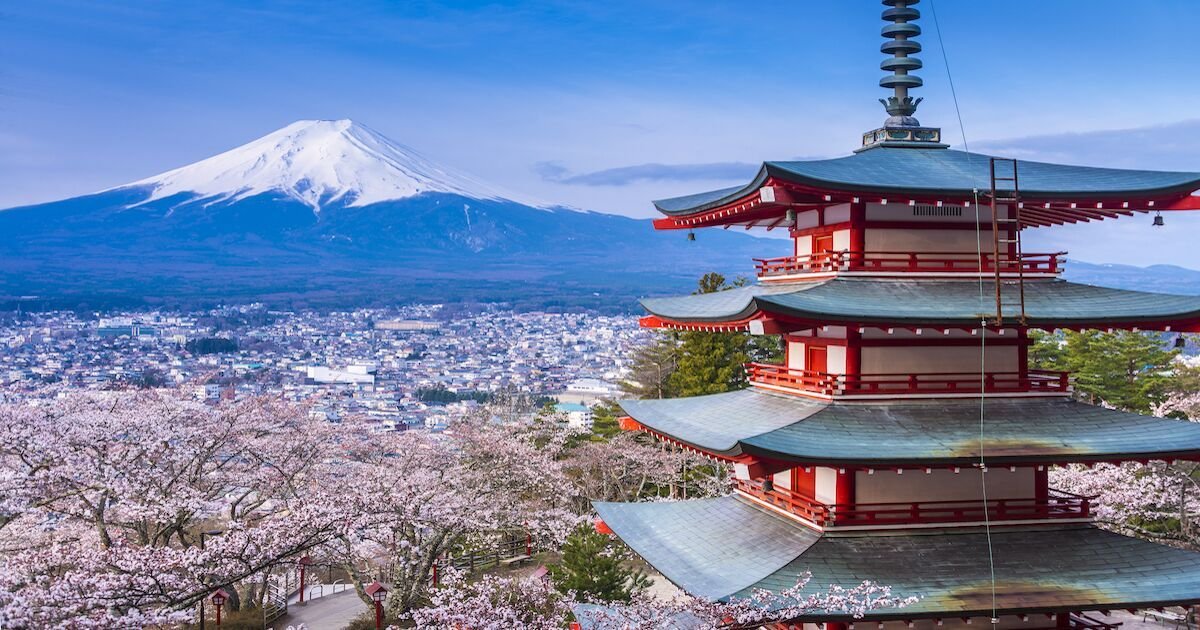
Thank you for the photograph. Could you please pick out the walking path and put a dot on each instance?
(331, 612)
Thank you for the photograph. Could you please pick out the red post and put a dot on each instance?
(304, 562)
(218, 600)
(528, 543)
(435, 573)
(378, 594)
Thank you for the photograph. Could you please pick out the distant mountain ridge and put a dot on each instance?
(331, 210)
(1155, 278)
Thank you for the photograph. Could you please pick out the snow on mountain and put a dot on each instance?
(317, 162)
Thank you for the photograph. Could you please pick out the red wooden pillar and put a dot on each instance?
(844, 490)
(837, 626)
(1023, 355)
(853, 354)
(858, 233)
(1041, 484)
(1062, 620)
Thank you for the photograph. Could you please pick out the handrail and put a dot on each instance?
(1057, 504)
(912, 383)
(930, 262)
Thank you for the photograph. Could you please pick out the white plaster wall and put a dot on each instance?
(930, 359)
(885, 486)
(807, 219)
(804, 245)
(795, 355)
(841, 240)
(783, 479)
(826, 485)
(836, 360)
(958, 241)
(741, 471)
(837, 214)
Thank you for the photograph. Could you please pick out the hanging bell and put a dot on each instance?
(790, 217)
(691, 235)
(1158, 220)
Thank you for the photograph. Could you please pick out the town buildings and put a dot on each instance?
(404, 367)
(905, 439)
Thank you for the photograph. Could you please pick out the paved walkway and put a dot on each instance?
(331, 612)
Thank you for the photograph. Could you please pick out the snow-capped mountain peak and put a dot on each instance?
(317, 162)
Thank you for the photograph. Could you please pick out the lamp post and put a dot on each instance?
(211, 532)
(378, 593)
(218, 600)
(304, 562)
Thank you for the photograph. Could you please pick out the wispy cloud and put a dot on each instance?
(652, 172)
(1171, 146)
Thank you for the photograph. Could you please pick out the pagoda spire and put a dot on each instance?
(901, 46)
(901, 129)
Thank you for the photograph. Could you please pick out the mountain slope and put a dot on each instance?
(316, 162)
(331, 210)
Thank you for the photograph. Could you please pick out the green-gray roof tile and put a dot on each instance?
(934, 432)
(942, 171)
(928, 302)
(709, 546)
(1047, 569)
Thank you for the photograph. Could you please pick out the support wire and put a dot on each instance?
(987, 523)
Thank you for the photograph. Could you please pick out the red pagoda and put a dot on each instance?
(905, 440)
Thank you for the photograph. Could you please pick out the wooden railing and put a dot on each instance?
(1057, 505)
(904, 384)
(928, 262)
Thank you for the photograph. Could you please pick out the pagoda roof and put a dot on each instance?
(729, 546)
(1049, 303)
(944, 172)
(938, 432)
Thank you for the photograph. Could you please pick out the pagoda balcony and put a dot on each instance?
(926, 263)
(875, 386)
(1057, 505)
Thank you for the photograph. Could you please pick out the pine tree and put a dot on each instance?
(652, 367)
(593, 566)
(1128, 370)
(712, 363)
(605, 423)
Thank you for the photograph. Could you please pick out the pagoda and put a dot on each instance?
(904, 439)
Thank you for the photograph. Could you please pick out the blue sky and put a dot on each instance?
(599, 105)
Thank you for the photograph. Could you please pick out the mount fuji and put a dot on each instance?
(325, 212)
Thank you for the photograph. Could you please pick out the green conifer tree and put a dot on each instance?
(594, 566)
(605, 422)
(1128, 370)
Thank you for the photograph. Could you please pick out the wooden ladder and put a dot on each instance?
(1006, 248)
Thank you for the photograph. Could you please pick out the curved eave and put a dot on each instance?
(726, 547)
(933, 303)
(765, 426)
(1098, 193)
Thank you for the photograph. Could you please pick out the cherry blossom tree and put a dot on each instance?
(417, 498)
(1155, 500)
(522, 602)
(493, 602)
(106, 495)
(633, 467)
